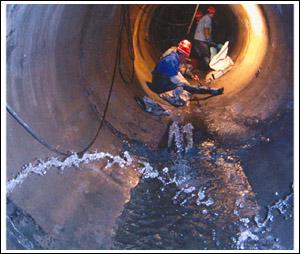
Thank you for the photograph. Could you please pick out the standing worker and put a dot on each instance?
(166, 75)
(198, 16)
(203, 38)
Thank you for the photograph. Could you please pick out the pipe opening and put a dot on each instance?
(60, 64)
(158, 27)
(170, 24)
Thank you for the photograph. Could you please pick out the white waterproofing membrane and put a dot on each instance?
(220, 63)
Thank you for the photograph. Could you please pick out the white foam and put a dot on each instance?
(201, 197)
(244, 236)
(148, 171)
(189, 189)
(73, 160)
(281, 205)
(181, 135)
(174, 132)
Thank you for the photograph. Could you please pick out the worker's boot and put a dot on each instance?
(217, 91)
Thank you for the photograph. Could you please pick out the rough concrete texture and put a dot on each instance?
(60, 61)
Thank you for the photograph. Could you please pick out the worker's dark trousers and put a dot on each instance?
(203, 51)
(161, 84)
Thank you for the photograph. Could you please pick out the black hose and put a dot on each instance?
(32, 133)
(124, 19)
(127, 25)
(117, 55)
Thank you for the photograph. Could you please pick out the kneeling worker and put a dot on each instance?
(166, 75)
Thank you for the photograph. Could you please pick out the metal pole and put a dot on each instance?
(188, 31)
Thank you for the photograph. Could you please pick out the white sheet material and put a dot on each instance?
(221, 60)
(220, 63)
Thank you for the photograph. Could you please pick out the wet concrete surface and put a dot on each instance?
(167, 215)
(59, 68)
(23, 232)
(84, 217)
(269, 170)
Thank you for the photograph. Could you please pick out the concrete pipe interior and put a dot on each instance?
(60, 66)
(244, 26)
(71, 58)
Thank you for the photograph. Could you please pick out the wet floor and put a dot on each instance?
(194, 194)
(200, 201)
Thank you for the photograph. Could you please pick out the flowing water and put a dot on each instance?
(199, 199)
(189, 197)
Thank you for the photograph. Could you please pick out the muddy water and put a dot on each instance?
(189, 197)
(198, 200)
(201, 200)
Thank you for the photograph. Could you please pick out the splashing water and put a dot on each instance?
(282, 206)
(213, 205)
(73, 160)
(20, 238)
(188, 131)
(199, 202)
(181, 135)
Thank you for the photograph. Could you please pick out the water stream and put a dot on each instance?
(189, 197)
(198, 198)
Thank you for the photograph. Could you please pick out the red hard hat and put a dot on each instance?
(198, 15)
(211, 9)
(185, 47)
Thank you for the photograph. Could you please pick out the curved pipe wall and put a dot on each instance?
(248, 53)
(60, 61)
(59, 68)
(253, 91)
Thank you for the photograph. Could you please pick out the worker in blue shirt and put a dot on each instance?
(166, 75)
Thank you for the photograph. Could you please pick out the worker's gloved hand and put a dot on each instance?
(213, 44)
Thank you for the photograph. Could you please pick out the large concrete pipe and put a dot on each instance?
(60, 66)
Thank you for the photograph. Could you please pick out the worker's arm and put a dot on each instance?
(207, 28)
(179, 79)
(186, 71)
(207, 33)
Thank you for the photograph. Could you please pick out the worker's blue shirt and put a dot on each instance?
(168, 66)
